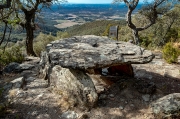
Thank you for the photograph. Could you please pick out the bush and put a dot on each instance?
(144, 41)
(62, 34)
(170, 54)
(12, 54)
(41, 41)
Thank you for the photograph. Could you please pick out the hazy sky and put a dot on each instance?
(92, 1)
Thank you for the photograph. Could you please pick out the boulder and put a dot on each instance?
(16, 67)
(18, 82)
(66, 61)
(10, 68)
(93, 52)
(167, 106)
(75, 86)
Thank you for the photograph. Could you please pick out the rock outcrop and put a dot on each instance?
(17, 68)
(66, 61)
(74, 85)
(90, 52)
(167, 106)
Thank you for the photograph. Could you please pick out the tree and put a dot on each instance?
(4, 15)
(150, 10)
(29, 9)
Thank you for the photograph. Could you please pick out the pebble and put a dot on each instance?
(69, 115)
(111, 95)
(132, 105)
(122, 100)
(34, 113)
(146, 97)
(20, 94)
(121, 107)
(102, 96)
(30, 79)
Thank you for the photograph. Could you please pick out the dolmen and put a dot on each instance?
(65, 64)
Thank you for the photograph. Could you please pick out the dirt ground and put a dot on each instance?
(125, 99)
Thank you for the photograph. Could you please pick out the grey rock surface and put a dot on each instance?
(11, 67)
(146, 97)
(74, 85)
(16, 67)
(29, 79)
(18, 83)
(89, 52)
(69, 115)
(22, 67)
(167, 106)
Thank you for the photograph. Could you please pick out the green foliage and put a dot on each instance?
(172, 34)
(60, 34)
(145, 41)
(41, 41)
(170, 54)
(12, 54)
(106, 32)
(93, 28)
(14, 21)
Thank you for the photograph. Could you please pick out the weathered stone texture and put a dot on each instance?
(90, 52)
(66, 61)
(167, 106)
(75, 85)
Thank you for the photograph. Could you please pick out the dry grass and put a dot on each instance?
(176, 45)
(66, 24)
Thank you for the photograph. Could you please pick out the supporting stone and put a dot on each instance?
(75, 86)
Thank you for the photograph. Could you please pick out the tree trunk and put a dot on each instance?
(29, 32)
(136, 36)
(29, 40)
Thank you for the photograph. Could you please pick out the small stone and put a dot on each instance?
(102, 96)
(17, 83)
(20, 94)
(69, 115)
(132, 105)
(99, 89)
(111, 95)
(105, 71)
(40, 96)
(34, 113)
(121, 107)
(30, 79)
(146, 97)
(122, 100)
(154, 97)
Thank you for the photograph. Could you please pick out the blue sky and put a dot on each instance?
(92, 1)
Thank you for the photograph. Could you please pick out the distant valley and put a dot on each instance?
(73, 18)
(76, 14)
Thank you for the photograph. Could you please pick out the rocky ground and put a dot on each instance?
(25, 96)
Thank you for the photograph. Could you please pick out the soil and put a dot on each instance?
(125, 99)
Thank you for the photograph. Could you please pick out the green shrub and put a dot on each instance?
(61, 34)
(144, 41)
(41, 41)
(170, 54)
(12, 54)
